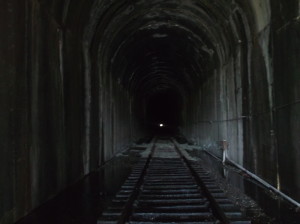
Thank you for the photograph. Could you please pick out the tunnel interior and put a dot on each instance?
(82, 80)
(156, 77)
(161, 53)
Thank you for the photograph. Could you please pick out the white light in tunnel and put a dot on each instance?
(161, 125)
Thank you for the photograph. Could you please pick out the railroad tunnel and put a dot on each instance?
(82, 80)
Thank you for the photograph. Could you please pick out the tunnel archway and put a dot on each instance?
(82, 80)
(164, 111)
(215, 54)
(162, 45)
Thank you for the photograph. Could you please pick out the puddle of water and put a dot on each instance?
(85, 201)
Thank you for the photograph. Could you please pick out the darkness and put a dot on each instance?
(164, 107)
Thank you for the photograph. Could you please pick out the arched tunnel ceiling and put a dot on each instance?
(150, 45)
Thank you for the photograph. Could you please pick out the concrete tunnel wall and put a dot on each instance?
(252, 98)
(62, 116)
(76, 75)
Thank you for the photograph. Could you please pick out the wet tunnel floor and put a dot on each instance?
(86, 200)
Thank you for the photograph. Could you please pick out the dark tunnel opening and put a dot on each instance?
(163, 113)
(161, 64)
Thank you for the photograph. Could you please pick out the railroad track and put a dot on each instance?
(167, 188)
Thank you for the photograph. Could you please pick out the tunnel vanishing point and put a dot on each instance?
(81, 80)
